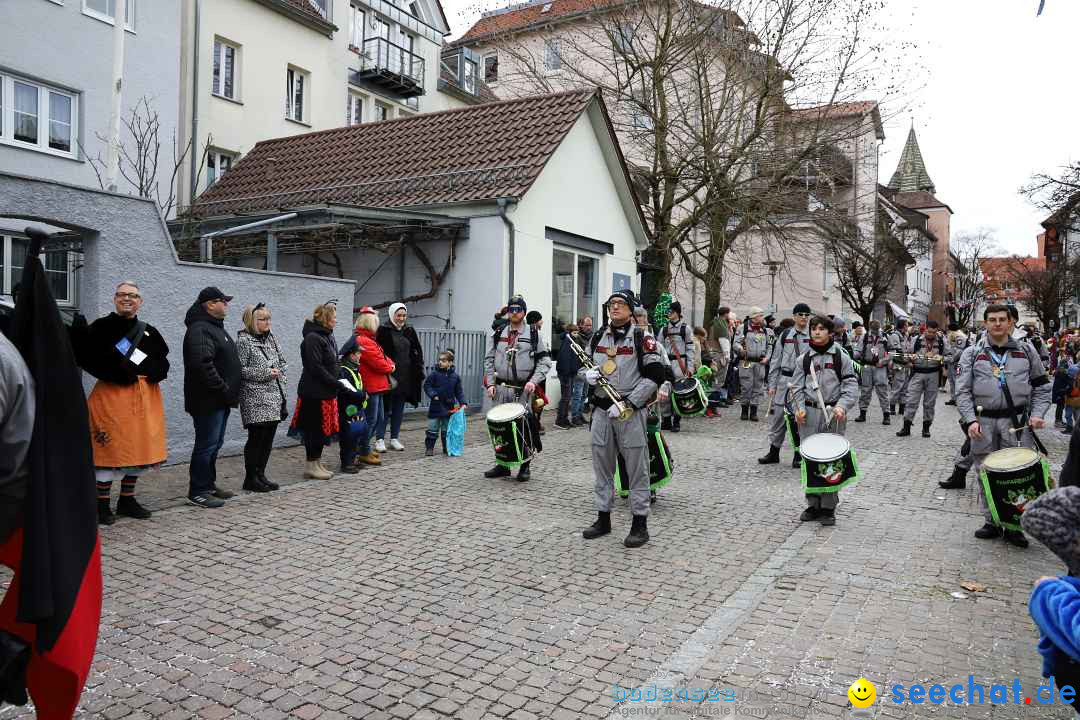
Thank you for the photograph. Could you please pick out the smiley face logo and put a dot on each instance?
(862, 693)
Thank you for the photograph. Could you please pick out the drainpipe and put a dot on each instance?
(194, 163)
(503, 203)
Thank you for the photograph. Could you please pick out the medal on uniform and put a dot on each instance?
(609, 366)
(996, 370)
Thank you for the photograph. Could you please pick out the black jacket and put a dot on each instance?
(403, 347)
(95, 349)
(319, 354)
(211, 364)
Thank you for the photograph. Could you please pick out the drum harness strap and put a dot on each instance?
(511, 337)
(1018, 421)
(639, 350)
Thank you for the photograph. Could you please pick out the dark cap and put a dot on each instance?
(350, 347)
(517, 301)
(676, 307)
(212, 293)
(801, 308)
(627, 296)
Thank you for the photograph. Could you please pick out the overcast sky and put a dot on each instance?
(993, 96)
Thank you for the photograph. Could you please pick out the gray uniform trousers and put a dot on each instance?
(777, 427)
(996, 435)
(815, 419)
(921, 385)
(950, 369)
(752, 382)
(874, 379)
(901, 376)
(611, 438)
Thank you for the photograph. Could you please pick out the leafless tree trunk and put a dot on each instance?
(971, 249)
(1043, 289)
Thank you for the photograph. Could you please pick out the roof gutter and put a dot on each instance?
(503, 203)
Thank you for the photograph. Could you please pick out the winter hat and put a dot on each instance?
(533, 317)
(627, 296)
(676, 307)
(801, 308)
(754, 311)
(1054, 520)
(518, 301)
(394, 307)
(350, 347)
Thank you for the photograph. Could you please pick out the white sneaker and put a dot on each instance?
(395, 444)
(380, 446)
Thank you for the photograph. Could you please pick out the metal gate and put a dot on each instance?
(469, 348)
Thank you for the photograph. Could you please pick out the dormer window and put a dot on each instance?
(470, 77)
(491, 68)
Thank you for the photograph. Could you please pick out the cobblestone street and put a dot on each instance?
(420, 590)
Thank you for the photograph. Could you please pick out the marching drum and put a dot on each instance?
(1011, 478)
(660, 463)
(688, 397)
(507, 427)
(828, 463)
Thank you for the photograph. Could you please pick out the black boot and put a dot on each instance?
(252, 482)
(497, 472)
(925, 429)
(128, 505)
(442, 439)
(104, 512)
(903, 406)
(639, 533)
(523, 473)
(773, 456)
(956, 481)
(263, 479)
(988, 531)
(1058, 411)
(665, 423)
(745, 413)
(892, 409)
(796, 460)
(429, 443)
(562, 417)
(906, 430)
(809, 514)
(1015, 537)
(602, 526)
(885, 419)
(753, 413)
(862, 416)
(676, 423)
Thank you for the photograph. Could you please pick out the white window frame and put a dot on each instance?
(484, 64)
(219, 46)
(469, 81)
(131, 15)
(357, 21)
(214, 158)
(7, 116)
(553, 60)
(624, 38)
(576, 253)
(293, 73)
(8, 278)
(352, 102)
(386, 109)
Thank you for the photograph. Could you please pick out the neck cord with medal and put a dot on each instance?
(617, 335)
(999, 362)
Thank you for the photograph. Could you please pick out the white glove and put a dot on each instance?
(614, 411)
(592, 375)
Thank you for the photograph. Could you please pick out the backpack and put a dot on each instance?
(639, 347)
(837, 363)
(534, 338)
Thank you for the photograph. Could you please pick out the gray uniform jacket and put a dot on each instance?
(838, 389)
(679, 338)
(753, 345)
(637, 389)
(871, 350)
(977, 385)
(789, 346)
(518, 362)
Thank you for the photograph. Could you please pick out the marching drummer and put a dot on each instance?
(677, 340)
(1001, 386)
(899, 343)
(752, 343)
(629, 360)
(517, 361)
(929, 351)
(838, 388)
(790, 344)
(870, 350)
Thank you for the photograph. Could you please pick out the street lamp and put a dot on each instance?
(773, 266)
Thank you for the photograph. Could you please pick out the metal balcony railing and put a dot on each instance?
(391, 67)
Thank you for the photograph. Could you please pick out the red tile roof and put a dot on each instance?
(918, 200)
(838, 110)
(476, 153)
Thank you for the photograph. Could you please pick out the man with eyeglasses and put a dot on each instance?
(789, 346)
(129, 358)
(211, 389)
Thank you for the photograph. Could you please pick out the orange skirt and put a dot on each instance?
(127, 425)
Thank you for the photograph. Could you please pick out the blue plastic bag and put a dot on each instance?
(455, 434)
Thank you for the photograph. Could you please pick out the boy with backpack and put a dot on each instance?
(443, 388)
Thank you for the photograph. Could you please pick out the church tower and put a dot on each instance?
(911, 175)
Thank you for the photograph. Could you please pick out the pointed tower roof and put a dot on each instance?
(911, 175)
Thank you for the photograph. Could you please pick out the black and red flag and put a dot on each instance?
(54, 601)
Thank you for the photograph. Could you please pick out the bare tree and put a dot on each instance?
(1042, 288)
(971, 249)
(140, 157)
(702, 99)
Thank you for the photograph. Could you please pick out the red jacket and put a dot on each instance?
(374, 365)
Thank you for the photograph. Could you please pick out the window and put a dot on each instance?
(225, 69)
(354, 109)
(382, 112)
(356, 27)
(217, 164)
(573, 288)
(59, 269)
(624, 38)
(322, 7)
(470, 76)
(106, 10)
(640, 119)
(491, 68)
(37, 115)
(552, 58)
(295, 87)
